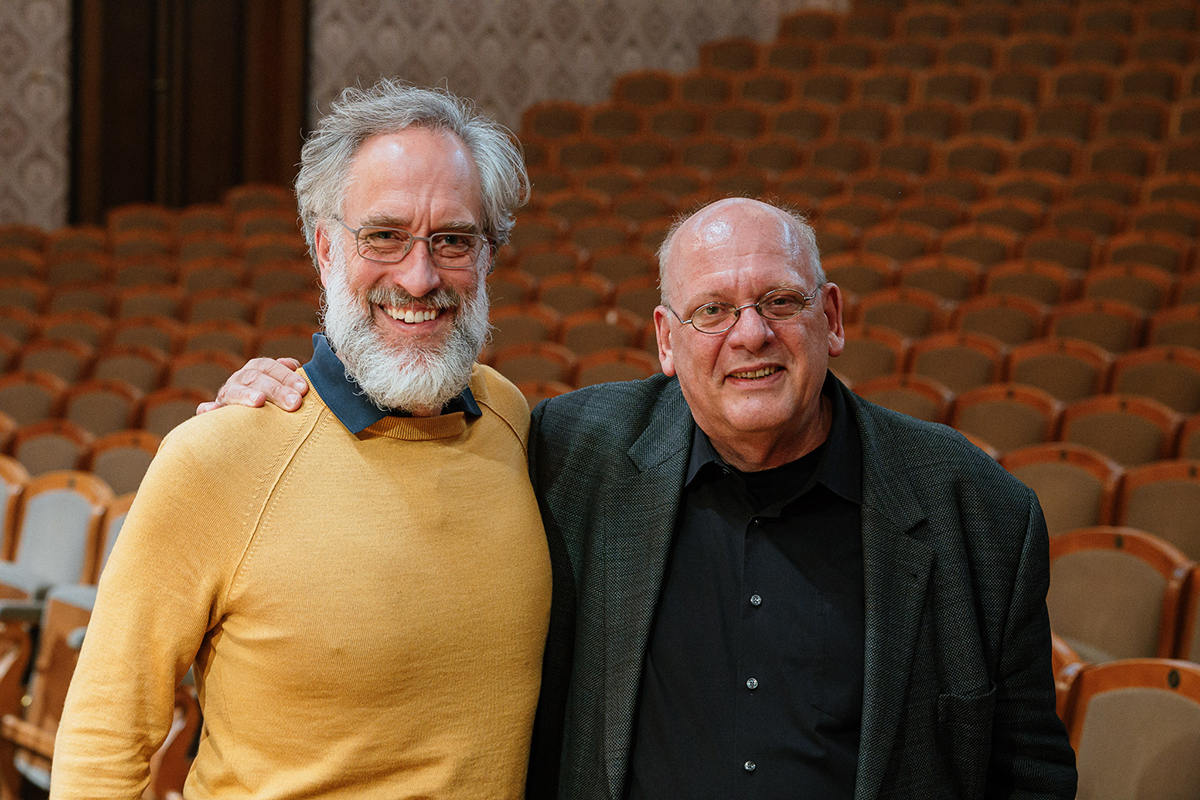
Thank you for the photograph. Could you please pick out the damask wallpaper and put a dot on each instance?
(508, 54)
(35, 99)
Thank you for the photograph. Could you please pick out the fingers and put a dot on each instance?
(262, 380)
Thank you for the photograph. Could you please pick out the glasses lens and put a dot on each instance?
(712, 317)
(383, 244)
(782, 305)
(453, 249)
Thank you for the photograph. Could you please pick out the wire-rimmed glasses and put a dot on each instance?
(777, 305)
(447, 249)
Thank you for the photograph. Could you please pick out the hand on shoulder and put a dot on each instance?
(259, 381)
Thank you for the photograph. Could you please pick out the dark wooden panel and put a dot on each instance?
(178, 100)
(210, 134)
(275, 90)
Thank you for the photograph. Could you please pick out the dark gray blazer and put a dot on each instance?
(958, 695)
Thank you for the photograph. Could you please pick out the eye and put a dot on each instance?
(376, 236)
(782, 302)
(710, 310)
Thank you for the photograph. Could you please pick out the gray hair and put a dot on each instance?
(805, 251)
(391, 106)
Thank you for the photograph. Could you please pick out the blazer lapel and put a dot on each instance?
(638, 518)
(896, 570)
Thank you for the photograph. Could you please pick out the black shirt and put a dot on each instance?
(752, 683)
(346, 399)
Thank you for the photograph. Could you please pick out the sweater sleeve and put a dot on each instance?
(161, 594)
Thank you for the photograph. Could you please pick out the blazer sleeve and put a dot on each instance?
(546, 747)
(1031, 756)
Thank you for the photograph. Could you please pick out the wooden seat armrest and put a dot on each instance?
(27, 735)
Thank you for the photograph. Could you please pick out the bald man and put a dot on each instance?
(765, 586)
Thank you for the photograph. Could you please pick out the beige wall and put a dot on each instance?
(35, 98)
(506, 54)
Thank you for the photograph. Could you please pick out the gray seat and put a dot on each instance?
(1115, 593)
(1164, 499)
(1076, 486)
(59, 528)
(1135, 727)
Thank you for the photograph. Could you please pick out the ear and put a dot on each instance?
(322, 241)
(833, 316)
(488, 256)
(662, 331)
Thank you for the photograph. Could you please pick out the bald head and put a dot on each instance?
(722, 224)
(755, 387)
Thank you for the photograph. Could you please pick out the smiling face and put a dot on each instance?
(755, 389)
(409, 331)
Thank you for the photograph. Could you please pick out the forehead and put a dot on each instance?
(735, 250)
(410, 174)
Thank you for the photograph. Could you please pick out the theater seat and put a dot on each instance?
(1076, 486)
(1115, 593)
(1164, 499)
(1135, 728)
(57, 535)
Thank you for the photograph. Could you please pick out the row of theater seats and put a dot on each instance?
(111, 335)
(1129, 428)
(1134, 138)
(1079, 486)
(1115, 593)
(1023, 174)
(905, 20)
(1125, 610)
(58, 531)
(1118, 308)
(72, 350)
(587, 230)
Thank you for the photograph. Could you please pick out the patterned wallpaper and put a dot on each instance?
(508, 54)
(35, 99)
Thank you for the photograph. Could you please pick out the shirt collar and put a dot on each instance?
(840, 468)
(346, 398)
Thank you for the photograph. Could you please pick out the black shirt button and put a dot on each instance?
(751, 766)
(752, 683)
(755, 600)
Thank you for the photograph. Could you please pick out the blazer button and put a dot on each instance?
(752, 683)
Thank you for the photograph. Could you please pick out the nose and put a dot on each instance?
(750, 331)
(416, 273)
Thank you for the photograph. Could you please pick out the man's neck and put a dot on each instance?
(767, 451)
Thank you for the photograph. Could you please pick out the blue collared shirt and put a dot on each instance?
(346, 398)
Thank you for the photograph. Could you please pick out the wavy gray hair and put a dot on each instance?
(390, 106)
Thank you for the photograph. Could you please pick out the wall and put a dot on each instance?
(35, 99)
(507, 54)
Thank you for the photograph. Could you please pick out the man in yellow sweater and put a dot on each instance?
(363, 587)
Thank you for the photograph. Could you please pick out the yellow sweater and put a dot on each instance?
(366, 613)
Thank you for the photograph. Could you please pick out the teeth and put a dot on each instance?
(410, 316)
(758, 373)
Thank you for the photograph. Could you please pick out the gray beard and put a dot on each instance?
(411, 377)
